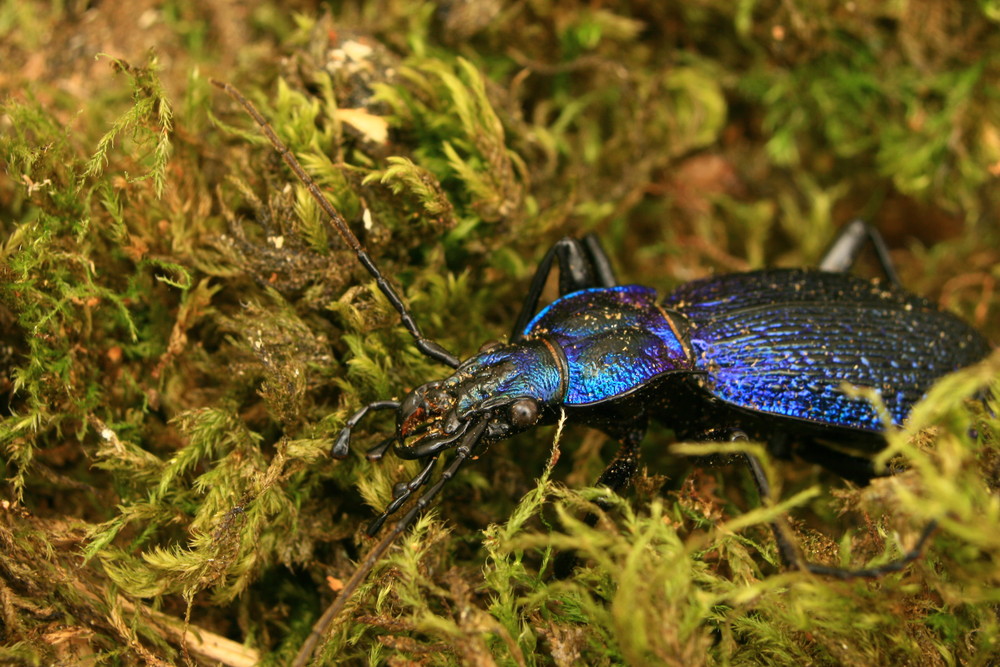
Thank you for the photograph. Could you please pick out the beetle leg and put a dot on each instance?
(878, 570)
(582, 264)
(401, 493)
(342, 444)
(600, 263)
(619, 473)
(844, 250)
(790, 553)
(786, 544)
(471, 441)
(857, 469)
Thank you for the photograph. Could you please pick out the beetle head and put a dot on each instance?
(510, 387)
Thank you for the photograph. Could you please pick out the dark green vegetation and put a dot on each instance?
(183, 335)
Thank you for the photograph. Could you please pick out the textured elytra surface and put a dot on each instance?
(786, 341)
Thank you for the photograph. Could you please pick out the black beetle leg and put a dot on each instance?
(879, 570)
(857, 469)
(582, 264)
(786, 544)
(604, 275)
(341, 445)
(400, 494)
(471, 444)
(619, 473)
(790, 554)
(844, 250)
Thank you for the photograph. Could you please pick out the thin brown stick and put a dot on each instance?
(471, 443)
(319, 628)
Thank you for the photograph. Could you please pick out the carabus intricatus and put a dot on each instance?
(764, 355)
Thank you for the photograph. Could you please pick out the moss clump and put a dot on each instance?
(184, 336)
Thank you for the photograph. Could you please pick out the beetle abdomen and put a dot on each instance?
(784, 342)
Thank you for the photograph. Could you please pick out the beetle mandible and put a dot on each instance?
(762, 355)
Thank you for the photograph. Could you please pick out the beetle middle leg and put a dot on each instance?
(619, 472)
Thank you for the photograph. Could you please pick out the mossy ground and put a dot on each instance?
(183, 336)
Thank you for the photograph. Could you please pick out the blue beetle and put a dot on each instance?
(762, 355)
(765, 354)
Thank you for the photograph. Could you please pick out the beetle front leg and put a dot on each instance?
(401, 492)
(620, 472)
(341, 445)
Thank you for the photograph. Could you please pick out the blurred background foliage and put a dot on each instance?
(183, 336)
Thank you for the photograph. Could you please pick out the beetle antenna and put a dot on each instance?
(471, 443)
(425, 345)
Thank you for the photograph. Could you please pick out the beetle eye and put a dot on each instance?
(523, 413)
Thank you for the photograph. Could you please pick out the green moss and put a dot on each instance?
(184, 334)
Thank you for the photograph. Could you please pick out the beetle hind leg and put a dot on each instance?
(842, 254)
(877, 570)
(792, 558)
